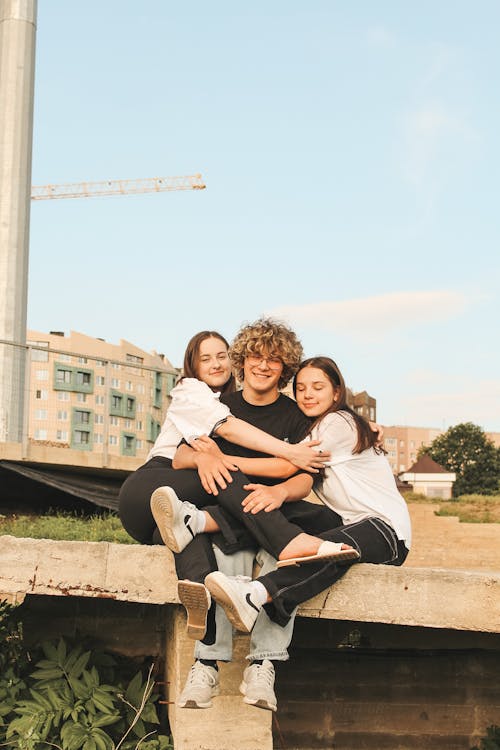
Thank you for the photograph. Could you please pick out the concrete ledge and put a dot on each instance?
(425, 597)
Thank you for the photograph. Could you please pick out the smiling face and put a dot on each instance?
(314, 391)
(213, 365)
(261, 376)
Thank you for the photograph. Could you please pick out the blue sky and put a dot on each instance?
(351, 157)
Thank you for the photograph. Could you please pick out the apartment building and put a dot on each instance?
(402, 444)
(87, 394)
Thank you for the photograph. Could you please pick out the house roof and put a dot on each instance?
(426, 465)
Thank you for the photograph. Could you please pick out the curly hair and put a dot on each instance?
(267, 336)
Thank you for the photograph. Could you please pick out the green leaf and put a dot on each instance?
(80, 664)
(106, 721)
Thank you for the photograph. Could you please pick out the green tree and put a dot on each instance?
(466, 450)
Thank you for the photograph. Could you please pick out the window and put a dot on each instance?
(128, 424)
(40, 434)
(36, 354)
(40, 413)
(81, 437)
(129, 386)
(62, 415)
(113, 440)
(64, 357)
(140, 407)
(62, 435)
(82, 417)
(42, 375)
(115, 365)
(99, 400)
(82, 378)
(115, 383)
(42, 395)
(100, 363)
(98, 438)
(81, 397)
(372, 414)
(138, 424)
(116, 402)
(98, 419)
(63, 396)
(412, 443)
(130, 404)
(100, 380)
(63, 376)
(134, 358)
(113, 421)
(390, 441)
(401, 443)
(82, 360)
(138, 444)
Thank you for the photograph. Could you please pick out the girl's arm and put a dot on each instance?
(301, 455)
(266, 498)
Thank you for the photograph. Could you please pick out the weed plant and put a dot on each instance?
(71, 695)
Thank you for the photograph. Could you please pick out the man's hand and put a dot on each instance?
(214, 471)
(262, 497)
(305, 457)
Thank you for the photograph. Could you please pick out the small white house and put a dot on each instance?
(429, 478)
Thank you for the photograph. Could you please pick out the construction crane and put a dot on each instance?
(116, 187)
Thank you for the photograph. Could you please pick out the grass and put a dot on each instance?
(66, 525)
(106, 527)
(467, 508)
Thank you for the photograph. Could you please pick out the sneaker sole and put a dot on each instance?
(196, 601)
(259, 703)
(221, 597)
(163, 513)
(196, 704)
(341, 557)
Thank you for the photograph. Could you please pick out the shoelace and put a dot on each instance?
(264, 675)
(200, 673)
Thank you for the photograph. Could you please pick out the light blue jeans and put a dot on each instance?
(269, 640)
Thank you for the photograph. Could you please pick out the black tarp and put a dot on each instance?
(34, 483)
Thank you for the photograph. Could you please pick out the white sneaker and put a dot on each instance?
(196, 600)
(201, 685)
(172, 517)
(234, 594)
(258, 686)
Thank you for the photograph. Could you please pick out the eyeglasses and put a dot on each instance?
(274, 363)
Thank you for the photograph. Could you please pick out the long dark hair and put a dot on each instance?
(366, 437)
(192, 356)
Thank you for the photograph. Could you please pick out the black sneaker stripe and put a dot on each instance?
(250, 602)
(186, 523)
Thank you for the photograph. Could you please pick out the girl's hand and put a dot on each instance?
(264, 498)
(204, 444)
(305, 457)
(214, 472)
(379, 431)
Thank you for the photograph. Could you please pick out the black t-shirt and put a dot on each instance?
(282, 419)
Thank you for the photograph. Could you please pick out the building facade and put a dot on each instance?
(402, 444)
(90, 395)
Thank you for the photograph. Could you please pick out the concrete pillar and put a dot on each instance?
(230, 723)
(17, 73)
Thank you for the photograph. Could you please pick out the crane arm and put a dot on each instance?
(116, 187)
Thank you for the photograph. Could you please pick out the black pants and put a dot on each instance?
(374, 539)
(238, 530)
